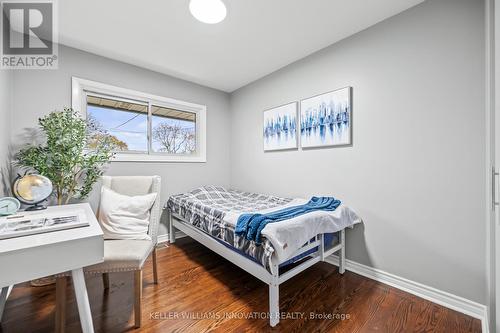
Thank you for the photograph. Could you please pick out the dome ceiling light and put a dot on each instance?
(208, 11)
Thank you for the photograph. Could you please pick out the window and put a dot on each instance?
(143, 127)
(173, 131)
(126, 122)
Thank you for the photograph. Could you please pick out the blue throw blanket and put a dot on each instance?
(251, 225)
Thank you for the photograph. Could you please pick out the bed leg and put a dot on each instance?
(274, 299)
(342, 252)
(171, 229)
(322, 247)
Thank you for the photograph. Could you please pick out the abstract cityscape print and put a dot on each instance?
(325, 120)
(280, 127)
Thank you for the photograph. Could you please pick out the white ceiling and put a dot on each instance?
(257, 37)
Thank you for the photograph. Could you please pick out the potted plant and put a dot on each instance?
(73, 155)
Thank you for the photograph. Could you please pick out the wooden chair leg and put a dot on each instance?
(61, 286)
(105, 280)
(138, 298)
(155, 267)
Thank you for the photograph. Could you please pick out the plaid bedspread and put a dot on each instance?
(205, 208)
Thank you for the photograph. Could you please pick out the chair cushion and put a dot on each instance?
(125, 217)
(122, 255)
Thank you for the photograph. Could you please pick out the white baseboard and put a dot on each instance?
(437, 296)
(165, 238)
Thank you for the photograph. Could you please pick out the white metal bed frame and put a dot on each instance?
(273, 279)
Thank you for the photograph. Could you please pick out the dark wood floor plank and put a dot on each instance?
(199, 291)
(359, 307)
(428, 316)
(457, 322)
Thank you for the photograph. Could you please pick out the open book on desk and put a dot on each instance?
(24, 224)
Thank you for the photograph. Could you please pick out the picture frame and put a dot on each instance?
(280, 127)
(326, 119)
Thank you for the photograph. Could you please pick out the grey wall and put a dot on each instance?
(415, 171)
(37, 92)
(5, 123)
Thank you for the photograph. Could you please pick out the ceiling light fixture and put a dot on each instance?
(208, 11)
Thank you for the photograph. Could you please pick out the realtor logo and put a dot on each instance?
(29, 34)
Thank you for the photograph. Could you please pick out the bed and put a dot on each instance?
(209, 215)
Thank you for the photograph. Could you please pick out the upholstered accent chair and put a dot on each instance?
(122, 255)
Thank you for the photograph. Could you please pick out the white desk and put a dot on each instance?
(32, 257)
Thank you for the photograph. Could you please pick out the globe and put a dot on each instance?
(32, 190)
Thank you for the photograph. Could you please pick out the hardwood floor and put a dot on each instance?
(195, 282)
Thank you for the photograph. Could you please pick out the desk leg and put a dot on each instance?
(4, 294)
(82, 300)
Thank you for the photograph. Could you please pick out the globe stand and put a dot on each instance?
(35, 207)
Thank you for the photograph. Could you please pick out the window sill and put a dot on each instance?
(121, 157)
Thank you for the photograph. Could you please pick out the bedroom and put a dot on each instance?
(416, 163)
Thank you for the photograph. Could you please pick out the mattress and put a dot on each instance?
(215, 210)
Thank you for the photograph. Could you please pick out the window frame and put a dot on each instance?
(81, 88)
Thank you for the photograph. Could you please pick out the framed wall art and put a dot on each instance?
(280, 127)
(326, 119)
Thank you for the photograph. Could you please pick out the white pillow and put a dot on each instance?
(125, 217)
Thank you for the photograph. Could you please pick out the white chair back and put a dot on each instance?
(139, 185)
